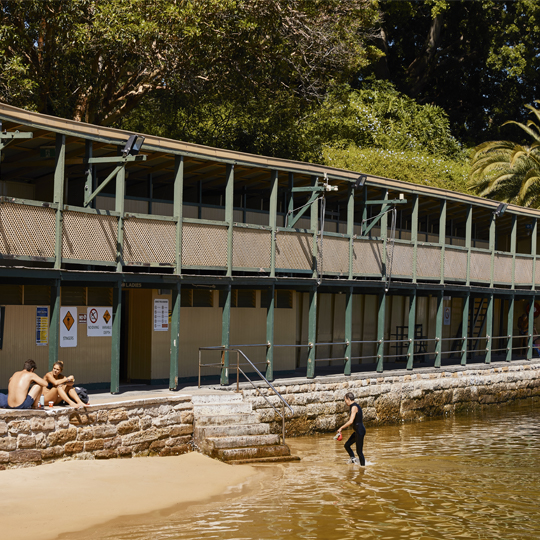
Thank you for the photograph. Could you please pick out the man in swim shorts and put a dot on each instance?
(20, 395)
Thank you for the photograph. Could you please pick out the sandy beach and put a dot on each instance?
(40, 503)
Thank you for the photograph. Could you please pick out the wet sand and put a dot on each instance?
(40, 503)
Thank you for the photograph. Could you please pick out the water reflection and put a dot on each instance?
(467, 477)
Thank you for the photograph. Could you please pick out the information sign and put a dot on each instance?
(99, 321)
(161, 315)
(68, 328)
(42, 326)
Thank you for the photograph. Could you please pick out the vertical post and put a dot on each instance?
(364, 211)
(150, 179)
(175, 336)
(272, 220)
(468, 241)
(314, 225)
(229, 215)
(312, 333)
(442, 236)
(59, 178)
(492, 234)
(489, 329)
(54, 325)
(199, 207)
(178, 209)
(350, 227)
(116, 337)
(89, 172)
(411, 329)
(290, 204)
(513, 244)
(414, 239)
(270, 336)
(381, 316)
(119, 207)
(531, 329)
(465, 327)
(439, 329)
(226, 334)
(348, 331)
(384, 236)
(533, 252)
(510, 329)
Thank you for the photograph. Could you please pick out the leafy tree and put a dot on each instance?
(508, 171)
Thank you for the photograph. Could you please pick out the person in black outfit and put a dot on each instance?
(355, 419)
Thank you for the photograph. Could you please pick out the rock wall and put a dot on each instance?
(396, 397)
(158, 426)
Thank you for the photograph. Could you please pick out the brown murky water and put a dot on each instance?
(475, 476)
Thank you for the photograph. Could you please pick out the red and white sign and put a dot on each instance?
(99, 322)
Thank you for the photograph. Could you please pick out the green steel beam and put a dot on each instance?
(411, 329)
(442, 236)
(489, 328)
(414, 236)
(59, 178)
(178, 210)
(272, 220)
(175, 336)
(465, 327)
(312, 333)
(226, 335)
(468, 240)
(531, 338)
(309, 205)
(348, 330)
(270, 336)
(54, 326)
(119, 203)
(350, 228)
(439, 329)
(121, 160)
(116, 337)
(510, 328)
(513, 246)
(229, 215)
(381, 317)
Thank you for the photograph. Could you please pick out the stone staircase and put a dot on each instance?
(226, 428)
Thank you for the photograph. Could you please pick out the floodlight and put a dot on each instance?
(501, 209)
(360, 181)
(133, 145)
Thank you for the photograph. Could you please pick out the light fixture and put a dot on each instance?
(133, 145)
(501, 209)
(360, 181)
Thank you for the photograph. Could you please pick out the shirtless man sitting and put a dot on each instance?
(20, 395)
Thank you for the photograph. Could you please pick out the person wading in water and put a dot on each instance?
(355, 420)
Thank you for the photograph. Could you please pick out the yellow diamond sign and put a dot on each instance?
(107, 316)
(68, 320)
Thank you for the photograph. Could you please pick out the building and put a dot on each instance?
(124, 260)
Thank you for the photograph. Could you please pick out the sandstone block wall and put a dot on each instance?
(158, 426)
(392, 398)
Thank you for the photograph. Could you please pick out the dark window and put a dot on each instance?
(100, 296)
(73, 296)
(202, 298)
(37, 295)
(186, 297)
(282, 299)
(12, 294)
(223, 296)
(245, 298)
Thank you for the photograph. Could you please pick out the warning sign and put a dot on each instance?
(68, 328)
(99, 322)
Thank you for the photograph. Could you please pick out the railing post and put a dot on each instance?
(119, 207)
(116, 337)
(442, 236)
(465, 327)
(531, 329)
(381, 317)
(314, 224)
(350, 227)
(384, 236)
(270, 336)
(439, 329)
(348, 330)
(225, 334)
(534, 236)
(54, 327)
(178, 209)
(59, 179)
(175, 336)
(414, 238)
(229, 216)
(411, 329)
(272, 220)
(492, 235)
(312, 333)
(489, 329)
(468, 241)
(510, 329)
(513, 245)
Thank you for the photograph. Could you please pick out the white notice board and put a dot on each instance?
(99, 321)
(68, 326)
(161, 315)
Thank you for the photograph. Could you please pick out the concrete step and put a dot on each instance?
(233, 430)
(243, 441)
(273, 459)
(252, 452)
(225, 419)
(221, 408)
(205, 399)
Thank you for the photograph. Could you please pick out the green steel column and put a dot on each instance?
(312, 333)
(465, 328)
(492, 233)
(381, 317)
(533, 251)
(439, 329)
(442, 236)
(348, 330)
(178, 209)
(513, 244)
(54, 325)
(229, 215)
(116, 337)
(412, 322)
(89, 172)
(384, 236)
(315, 228)
(350, 227)
(290, 205)
(270, 336)
(531, 329)
(364, 211)
(468, 241)
(272, 220)
(175, 336)
(119, 207)
(510, 329)
(489, 329)
(59, 178)
(414, 239)
(226, 335)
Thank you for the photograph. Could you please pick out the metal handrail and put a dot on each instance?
(240, 370)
